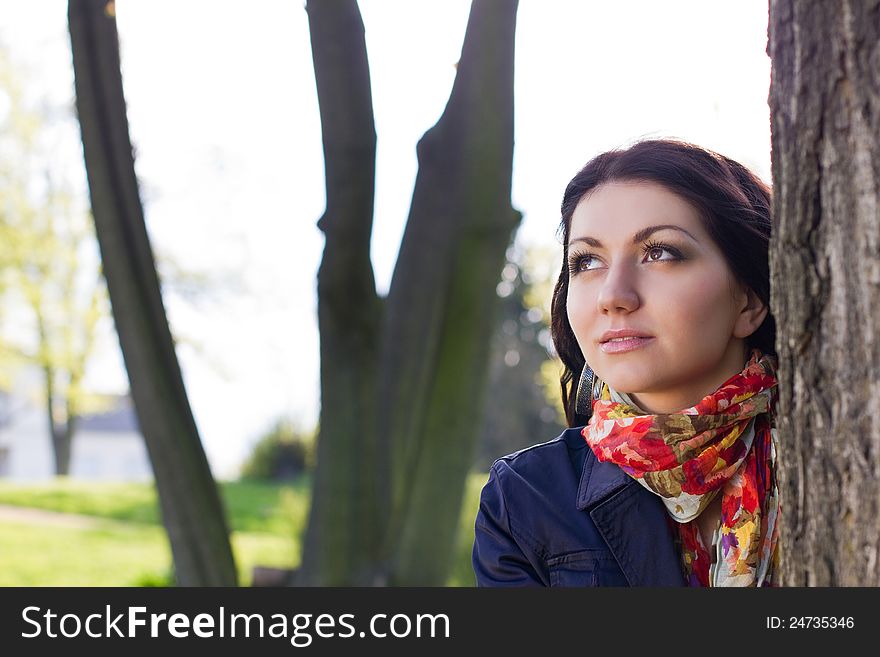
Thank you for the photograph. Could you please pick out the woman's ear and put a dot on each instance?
(751, 315)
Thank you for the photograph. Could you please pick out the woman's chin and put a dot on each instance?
(627, 383)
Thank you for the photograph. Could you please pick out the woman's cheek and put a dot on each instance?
(580, 321)
(708, 303)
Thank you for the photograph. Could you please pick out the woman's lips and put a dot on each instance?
(621, 346)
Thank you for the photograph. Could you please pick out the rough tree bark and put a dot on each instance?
(403, 378)
(825, 263)
(190, 503)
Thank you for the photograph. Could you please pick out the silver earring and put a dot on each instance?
(586, 392)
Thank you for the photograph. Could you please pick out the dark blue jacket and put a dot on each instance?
(553, 515)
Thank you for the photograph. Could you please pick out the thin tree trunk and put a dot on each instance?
(345, 523)
(191, 507)
(62, 444)
(825, 263)
(442, 306)
(58, 434)
(76, 371)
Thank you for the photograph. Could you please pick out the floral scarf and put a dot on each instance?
(725, 445)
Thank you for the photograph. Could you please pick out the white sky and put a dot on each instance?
(224, 117)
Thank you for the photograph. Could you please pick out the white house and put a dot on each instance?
(106, 446)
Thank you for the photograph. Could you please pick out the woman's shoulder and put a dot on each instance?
(545, 473)
(568, 445)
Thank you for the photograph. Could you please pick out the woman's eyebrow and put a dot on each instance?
(640, 236)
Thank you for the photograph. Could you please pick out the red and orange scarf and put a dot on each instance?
(725, 445)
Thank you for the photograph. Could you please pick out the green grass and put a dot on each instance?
(251, 506)
(125, 544)
(113, 555)
(61, 556)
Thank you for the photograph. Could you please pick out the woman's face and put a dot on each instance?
(671, 284)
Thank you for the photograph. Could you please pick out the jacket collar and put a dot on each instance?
(645, 554)
(600, 480)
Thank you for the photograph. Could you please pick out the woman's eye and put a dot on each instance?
(653, 252)
(580, 262)
(656, 250)
(583, 263)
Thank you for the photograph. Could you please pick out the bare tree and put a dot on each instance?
(191, 507)
(403, 377)
(825, 263)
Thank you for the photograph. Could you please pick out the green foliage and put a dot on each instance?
(462, 572)
(282, 453)
(50, 279)
(523, 402)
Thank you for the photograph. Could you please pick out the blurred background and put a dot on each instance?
(226, 135)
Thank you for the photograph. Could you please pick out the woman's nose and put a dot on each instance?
(618, 292)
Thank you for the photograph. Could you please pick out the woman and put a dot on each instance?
(660, 315)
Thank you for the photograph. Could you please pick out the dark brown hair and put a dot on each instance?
(732, 201)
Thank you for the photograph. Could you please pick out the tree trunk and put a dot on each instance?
(825, 263)
(60, 436)
(442, 305)
(345, 522)
(191, 507)
(402, 379)
(62, 443)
